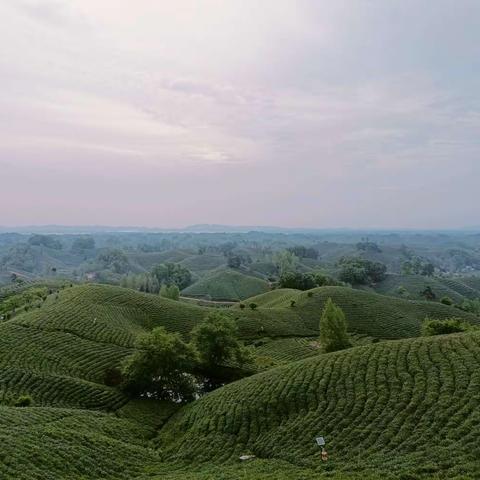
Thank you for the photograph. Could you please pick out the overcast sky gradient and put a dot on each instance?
(319, 113)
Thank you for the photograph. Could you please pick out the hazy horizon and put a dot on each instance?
(300, 114)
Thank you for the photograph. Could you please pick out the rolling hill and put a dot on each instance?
(226, 284)
(458, 289)
(382, 407)
(406, 409)
(367, 313)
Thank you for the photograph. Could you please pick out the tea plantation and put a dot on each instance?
(399, 409)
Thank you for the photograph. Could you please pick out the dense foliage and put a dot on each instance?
(172, 273)
(441, 327)
(305, 281)
(333, 328)
(161, 367)
(358, 271)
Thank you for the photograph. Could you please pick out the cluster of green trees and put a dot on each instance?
(432, 326)
(285, 262)
(49, 241)
(365, 245)
(165, 366)
(359, 271)
(30, 298)
(236, 260)
(113, 259)
(166, 278)
(82, 244)
(301, 251)
(305, 281)
(418, 266)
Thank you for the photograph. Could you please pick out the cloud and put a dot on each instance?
(52, 13)
(314, 113)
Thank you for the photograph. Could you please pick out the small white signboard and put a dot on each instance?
(320, 441)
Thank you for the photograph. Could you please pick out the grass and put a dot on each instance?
(226, 285)
(404, 409)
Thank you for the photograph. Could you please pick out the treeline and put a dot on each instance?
(168, 279)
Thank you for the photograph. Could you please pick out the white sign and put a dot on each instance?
(320, 441)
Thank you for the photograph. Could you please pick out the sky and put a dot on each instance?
(301, 113)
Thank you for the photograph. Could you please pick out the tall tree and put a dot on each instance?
(216, 342)
(333, 328)
(160, 367)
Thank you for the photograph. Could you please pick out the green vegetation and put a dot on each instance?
(285, 262)
(366, 313)
(358, 271)
(226, 285)
(305, 281)
(333, 328)
(170, 291)
(404, 409)
(104, 382)
(161, 367)
(441, 327)
(216, 342)
(172, 273)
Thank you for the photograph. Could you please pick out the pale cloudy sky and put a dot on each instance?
(315, 113)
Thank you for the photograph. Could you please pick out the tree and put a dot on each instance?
(234, 261)
(161, 367)
(114, 259)
(304, 281)
(333, 328)
(428, 293)
(297, 280)
(303, 252)
(285, 261)
(170, 291)
(83, 243)
(358, 271)
(49, 241)
(215, 340)
(172, 273)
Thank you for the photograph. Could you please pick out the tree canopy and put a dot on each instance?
(161, 367)
(333, 328)
(172, 273)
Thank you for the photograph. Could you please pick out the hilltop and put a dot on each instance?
(227, 285)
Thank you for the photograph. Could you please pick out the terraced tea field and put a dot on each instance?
(458, 289)
(367, 313)
(385, 408)
(410, 407)
(226, 285)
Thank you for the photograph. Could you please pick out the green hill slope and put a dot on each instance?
(366, 312)
(457, 289)
(226, 285)
(407, 409)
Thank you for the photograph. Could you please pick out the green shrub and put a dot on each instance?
(446, 300)
(432, 326)
(23, 401)
(170, 291)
